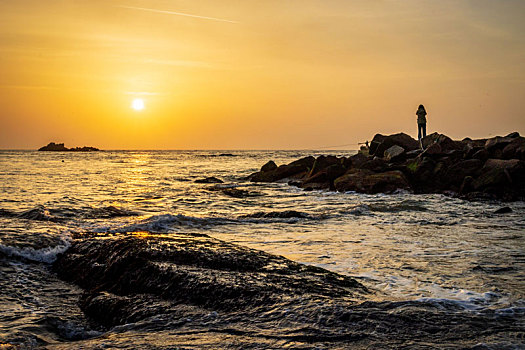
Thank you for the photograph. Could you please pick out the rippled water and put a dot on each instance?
(406, 246)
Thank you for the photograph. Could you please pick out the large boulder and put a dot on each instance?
(504, 178)
(269, 166)
(357, 160)
(324, 179)
(322, 162)
(381, 143)
(445, 143)
(394, 153)
(515, 149)
(298, 168)
(365, 181)
(482, 154)
(456, 173)
(497, 142)
(377, 165)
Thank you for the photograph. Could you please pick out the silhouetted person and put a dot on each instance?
(421, 122)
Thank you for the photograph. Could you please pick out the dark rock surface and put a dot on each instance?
(380, 143)
(59, 147)
(160, 291)
(474, 169)
(209, 180)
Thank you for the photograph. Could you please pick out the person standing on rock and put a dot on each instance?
(421, 122)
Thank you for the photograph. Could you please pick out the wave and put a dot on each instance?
(45, 255)
(164, 222)
(371, 208)
(42, 213)
(39, 213)
(286, 214)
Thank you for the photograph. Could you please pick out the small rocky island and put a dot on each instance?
(491, 168)
(59, 147)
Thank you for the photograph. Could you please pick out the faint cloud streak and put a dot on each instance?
(177, 13)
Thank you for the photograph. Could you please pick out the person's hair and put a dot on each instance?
(421, 106)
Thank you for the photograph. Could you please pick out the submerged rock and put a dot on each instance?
(209, 180)
(503, 210)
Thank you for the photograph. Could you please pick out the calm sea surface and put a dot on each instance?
(406, 246)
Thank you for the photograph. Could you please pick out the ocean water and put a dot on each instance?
(430, 248)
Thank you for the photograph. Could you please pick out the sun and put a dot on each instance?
(137, 104)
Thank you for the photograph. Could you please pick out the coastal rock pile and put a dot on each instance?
(59, 147)
(491, 168)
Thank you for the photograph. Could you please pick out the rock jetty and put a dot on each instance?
(491, 168)
(59, 147)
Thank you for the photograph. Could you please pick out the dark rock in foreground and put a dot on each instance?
(473, 169)
(153, 291)
(59, 147)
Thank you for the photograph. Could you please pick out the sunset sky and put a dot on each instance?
(254, 74)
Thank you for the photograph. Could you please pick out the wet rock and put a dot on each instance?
(193, 270)
(197, 292)
(380, 143)
(297, 168)
(366, 181)
(394, 153)
(238, 193)
(503, 210)
(269, 166)
(209, 180)
(466, 185)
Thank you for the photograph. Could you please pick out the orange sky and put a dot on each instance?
(256, 74)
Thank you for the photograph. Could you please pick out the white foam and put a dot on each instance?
(468, 299)
(45, 255)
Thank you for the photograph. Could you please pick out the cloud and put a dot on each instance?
(177, 14)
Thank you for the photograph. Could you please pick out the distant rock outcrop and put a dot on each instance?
(491, 168)
(59, 147)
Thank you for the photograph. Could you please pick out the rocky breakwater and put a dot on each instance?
(152, 290)
(491, 168)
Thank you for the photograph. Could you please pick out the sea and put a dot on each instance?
(417, 247)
